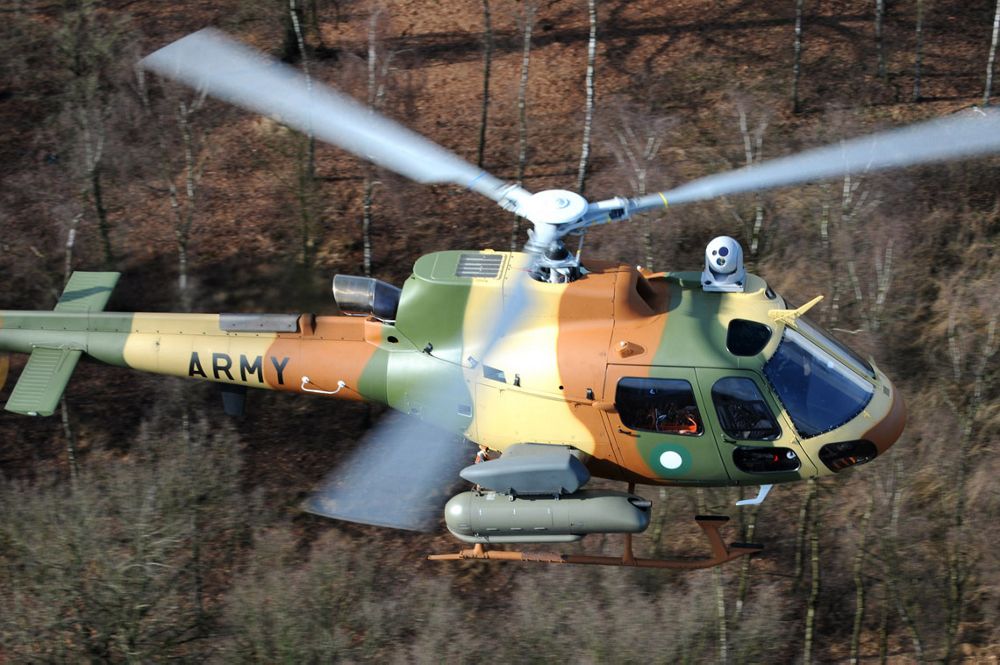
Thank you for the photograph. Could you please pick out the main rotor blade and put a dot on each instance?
(953, 137)
(402, 471)
(400, 476)
(226, 69)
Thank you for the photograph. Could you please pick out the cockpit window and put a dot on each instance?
(819, 392)
(852, 358)
(658, 405)
(742, 411)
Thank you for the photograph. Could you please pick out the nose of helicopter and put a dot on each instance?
(885, 433)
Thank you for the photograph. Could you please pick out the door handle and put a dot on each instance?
(625, 431)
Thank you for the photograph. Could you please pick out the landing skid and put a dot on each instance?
(721, 553)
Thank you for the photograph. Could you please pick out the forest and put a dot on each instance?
(140, 523)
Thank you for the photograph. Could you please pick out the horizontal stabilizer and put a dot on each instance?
(42, 382)
(87, 291)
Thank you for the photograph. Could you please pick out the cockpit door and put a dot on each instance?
(659, 428)
(755, 437)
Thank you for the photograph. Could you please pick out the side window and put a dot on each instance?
(747, 338)
(658, 405)
(743, 413)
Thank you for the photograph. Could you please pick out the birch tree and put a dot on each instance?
(378, 70)
(635, 138)
(879, 38)
(487, 65)
(988, 89)
(528, 24)
(918, 57)
(753, 152)
(180, 165)
(588, 110)
(89, 48)
(306, 185)
(797, 57)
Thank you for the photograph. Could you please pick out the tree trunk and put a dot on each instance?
(103, 225)
(797, 63)
(918, 60)
(988, 91)
(879, 41)
(487, 64)
(859, 579)
(366, 222)
(300, 42)
(719, 589)
(378, 72)
(814, 586)
(588, 113)
(890, 544)
(743, 585)
(968, 417)
(522, 111)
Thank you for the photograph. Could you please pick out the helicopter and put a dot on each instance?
(526, 373)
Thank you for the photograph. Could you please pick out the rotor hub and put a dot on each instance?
(555, 207)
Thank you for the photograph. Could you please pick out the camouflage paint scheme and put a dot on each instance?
(550, 380)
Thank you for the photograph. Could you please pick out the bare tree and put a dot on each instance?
(858, 572)
(797, 61)
(753, 153)
(306, 182)
(814, 571)
(487, 64)
(90, 46)
(528, 18)
(179, 166)
(918, 57)
(378, 69)
(635, 138)
(588, 111)
(965, 395)
(988, 89)
(879, 37)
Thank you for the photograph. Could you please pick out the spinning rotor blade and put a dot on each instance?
(228, 70)
(400, 476)
(953, 137)
(405, 467)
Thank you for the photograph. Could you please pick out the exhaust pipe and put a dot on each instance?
(366, 296)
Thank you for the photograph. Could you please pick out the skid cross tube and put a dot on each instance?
(721, 553)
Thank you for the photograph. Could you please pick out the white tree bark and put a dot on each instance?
(379, 64)
(919, 55)
(588, 113)
(797, 63)
(988, 91)
(522, 110)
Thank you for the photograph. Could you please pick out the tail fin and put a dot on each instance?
(49, 368)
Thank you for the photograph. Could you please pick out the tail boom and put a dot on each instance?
(335, 355)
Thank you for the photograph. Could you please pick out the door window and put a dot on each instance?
(743, 414)
(658, 405)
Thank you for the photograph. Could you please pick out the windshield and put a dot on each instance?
(817, 390)
(847, 353)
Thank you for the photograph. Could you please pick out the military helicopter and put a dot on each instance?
(558, 369)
